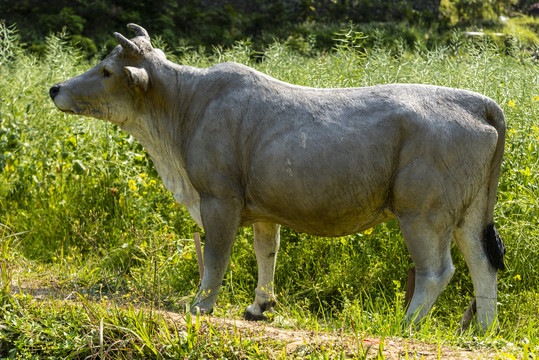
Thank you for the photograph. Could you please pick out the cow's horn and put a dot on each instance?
(127, 44)
(139, 30)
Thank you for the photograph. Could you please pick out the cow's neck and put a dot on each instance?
(162, 130)
(167, 113)
(166, 117)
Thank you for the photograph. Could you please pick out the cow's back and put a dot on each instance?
(325, 161)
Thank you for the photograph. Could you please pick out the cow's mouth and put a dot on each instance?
(69, 111)
(77, 110)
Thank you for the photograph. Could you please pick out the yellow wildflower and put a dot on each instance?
(132, 185)
(526, 172)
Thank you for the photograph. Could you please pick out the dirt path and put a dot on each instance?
(297, 343)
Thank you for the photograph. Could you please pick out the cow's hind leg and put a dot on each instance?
(429, 245)
(266, 244)
(470, 238)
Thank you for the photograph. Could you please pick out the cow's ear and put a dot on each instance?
(137, 77)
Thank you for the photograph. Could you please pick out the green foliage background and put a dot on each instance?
(81, 198)
(214, 23)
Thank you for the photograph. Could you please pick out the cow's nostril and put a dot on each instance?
(54, 91)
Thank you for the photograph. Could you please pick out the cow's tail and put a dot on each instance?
(493, 244)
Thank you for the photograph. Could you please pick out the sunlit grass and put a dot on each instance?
(83, 211)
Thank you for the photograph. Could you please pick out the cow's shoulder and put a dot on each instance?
(238, 74)
(231, 67)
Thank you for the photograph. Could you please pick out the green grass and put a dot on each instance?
(83, 212)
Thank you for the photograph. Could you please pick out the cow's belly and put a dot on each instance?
(333, 222)
(323, 226)
(323, 203)
(324, 178)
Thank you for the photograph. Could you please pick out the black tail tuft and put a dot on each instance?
(494, 247)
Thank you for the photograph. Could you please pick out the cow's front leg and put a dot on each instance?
(266, 245)
(221, 218)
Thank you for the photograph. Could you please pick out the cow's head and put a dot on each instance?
(114, 89)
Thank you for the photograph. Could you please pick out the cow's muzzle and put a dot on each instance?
(54, 90)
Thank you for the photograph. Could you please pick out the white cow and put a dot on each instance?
(237, 147)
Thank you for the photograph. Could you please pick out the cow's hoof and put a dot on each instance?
(254, 317)
(259, 313)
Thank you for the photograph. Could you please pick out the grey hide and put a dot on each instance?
(237, 147)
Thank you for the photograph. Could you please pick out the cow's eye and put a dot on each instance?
(106, 73)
